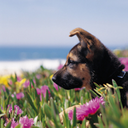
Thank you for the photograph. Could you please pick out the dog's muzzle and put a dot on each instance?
(67, 81)
(54, 79)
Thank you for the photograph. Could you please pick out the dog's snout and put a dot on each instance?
(54, 78)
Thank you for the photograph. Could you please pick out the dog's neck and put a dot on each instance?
(106, 67)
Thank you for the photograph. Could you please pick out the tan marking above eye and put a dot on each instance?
(73, 57)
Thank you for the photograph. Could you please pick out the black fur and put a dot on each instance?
(103, 65)
(67, 81)
(110, 68)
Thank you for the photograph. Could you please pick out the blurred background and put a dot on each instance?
(36, 32)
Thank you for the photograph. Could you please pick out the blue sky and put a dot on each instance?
(48, 22)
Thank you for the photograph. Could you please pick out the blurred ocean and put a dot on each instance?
(32, 53)
(18, 59)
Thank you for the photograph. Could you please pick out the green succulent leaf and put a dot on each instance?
(31, 102)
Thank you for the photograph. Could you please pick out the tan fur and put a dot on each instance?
(89, 40)
(80, 71)
(61, 114)
(73, 57)
(66, 111)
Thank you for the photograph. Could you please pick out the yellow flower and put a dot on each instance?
(21, 82)
(117, 51)
(5, 80)
(51, 76)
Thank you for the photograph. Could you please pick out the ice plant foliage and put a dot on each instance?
(26, 122)
(89, 108)
(28, 112)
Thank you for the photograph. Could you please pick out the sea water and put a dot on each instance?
(27, 53)
(17, 59)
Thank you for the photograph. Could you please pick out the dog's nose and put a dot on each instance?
(54, 79)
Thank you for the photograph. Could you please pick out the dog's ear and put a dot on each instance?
(86, 39)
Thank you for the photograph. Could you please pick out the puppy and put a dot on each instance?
(90, 61)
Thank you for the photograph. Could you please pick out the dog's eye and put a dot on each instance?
(71, 62)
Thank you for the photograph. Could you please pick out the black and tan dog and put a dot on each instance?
(90, 61)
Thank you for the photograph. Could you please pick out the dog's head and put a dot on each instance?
(77, 71)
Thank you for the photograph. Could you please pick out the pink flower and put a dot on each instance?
(125, 62)
(4, 88)
(60, 66)
(19, 95)
(10, 108)
(26, 123)
(38, 76)
(42, 91)
(77, 89)
(13, 124)
(38, 91)
(34, 81)
(27, 83)
(19, 78)
(70, 114)
(55, 86)
(89, 108)
(12, 95)
(10, 82)
(1, 107)
(16, 108)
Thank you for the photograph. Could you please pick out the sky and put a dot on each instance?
(42, 23)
